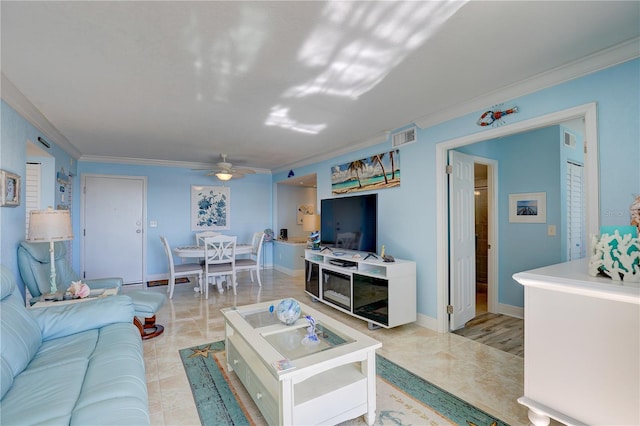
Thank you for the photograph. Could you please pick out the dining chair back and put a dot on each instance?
(179, 270)
(200, 236)
(220, 260)
(252, 263)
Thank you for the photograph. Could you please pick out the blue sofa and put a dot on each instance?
(75, 364)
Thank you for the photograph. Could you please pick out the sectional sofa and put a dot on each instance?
(74, 364)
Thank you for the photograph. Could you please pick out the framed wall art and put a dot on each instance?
(376, 172)
(210, 208)
(528, 207)
(10, 183)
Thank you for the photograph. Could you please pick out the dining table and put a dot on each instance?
(185, 252)
(198, 251)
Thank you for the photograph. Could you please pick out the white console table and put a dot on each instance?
(363, 285)
(581, 347)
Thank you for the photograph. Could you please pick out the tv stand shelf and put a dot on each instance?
(363, 285)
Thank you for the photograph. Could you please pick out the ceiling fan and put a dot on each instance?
(224, 170)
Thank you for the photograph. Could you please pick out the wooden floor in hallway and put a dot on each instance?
(496, 330)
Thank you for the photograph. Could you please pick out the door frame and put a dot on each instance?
(586, 111)
(83, 180)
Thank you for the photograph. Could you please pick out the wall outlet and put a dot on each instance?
(153, 224)
(551, 230)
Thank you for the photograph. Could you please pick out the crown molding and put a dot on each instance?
(606, 58)
(161, 163)
(19, 102)
(375, 140)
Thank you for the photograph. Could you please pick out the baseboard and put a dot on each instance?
(427, 322)
(290, 272)
(512, 311)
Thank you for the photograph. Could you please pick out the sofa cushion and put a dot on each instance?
(20, 335)
(96, 376)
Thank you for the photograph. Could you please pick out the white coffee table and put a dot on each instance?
(330, 382)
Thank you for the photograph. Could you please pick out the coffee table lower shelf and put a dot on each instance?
(328, 397)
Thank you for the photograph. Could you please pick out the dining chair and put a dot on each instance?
(253, 262)
(179, 270)
(220, 260)
(200, 236)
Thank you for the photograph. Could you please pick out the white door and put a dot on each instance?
(113, 233)
(462, 275)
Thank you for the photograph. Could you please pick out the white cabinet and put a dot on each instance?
(381, 293)
(581, 347)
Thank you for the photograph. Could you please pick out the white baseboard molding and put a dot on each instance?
(427, 322)
(290, 272)
(512, 311)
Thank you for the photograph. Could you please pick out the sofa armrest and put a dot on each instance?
(64, 320)
(104, 283)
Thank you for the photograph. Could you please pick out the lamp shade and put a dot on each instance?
(49, 225)
(310, 222)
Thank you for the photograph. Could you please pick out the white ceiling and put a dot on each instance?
(279, 83)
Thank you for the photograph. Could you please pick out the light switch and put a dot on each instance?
(153, 224)
(551, 231)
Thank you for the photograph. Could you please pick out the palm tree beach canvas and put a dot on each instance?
(375, 172)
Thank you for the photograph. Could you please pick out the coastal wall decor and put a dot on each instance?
(376, 172)
(210, 208)
(495, 116)
(10, 183)
(528, 207)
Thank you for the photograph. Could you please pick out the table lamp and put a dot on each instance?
(50, 226)
(310, 223)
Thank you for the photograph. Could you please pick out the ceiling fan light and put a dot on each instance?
(223, 176)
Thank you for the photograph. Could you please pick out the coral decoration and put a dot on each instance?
(635, 213)
(79, 290)
(616, 256)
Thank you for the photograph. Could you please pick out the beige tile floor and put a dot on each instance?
(488, 378)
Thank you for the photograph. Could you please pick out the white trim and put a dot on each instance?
(152, 162)
(512, 311)
(598, 61)
(19, 102)
(427, 322)
(289, 271)
(588, 111)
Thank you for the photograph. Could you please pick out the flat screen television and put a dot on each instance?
(350, 222)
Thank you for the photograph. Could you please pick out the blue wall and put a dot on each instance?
(169, 200)
(407, 214)
(527, 162)
(15, 132)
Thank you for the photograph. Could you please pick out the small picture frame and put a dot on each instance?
(528, 207)
(10, 183)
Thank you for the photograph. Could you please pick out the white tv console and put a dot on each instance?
(363, 285)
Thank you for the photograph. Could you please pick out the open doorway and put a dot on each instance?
(586, 113)
(481, 209)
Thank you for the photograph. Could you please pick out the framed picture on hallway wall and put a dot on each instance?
(210, 208)
(10, 183)
(528, 207)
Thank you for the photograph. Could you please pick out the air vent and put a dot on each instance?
(404, 137)
(569, 139)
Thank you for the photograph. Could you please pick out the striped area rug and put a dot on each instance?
(402, 397)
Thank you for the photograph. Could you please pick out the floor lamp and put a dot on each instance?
(50, 226)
